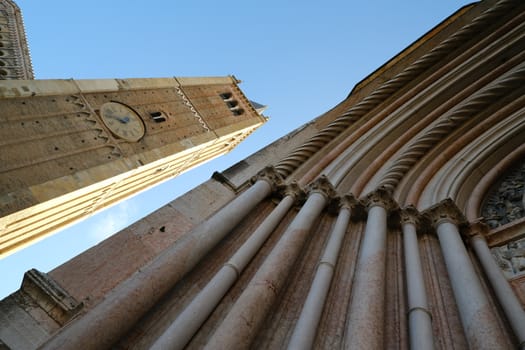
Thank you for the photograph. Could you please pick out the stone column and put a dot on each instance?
(366, 313)
(507, 298)
(419, 316)
(102, 326)
(241, 324)
(179, 333)
(306, 327)
(479, 322)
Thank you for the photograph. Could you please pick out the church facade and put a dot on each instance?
(394, 220)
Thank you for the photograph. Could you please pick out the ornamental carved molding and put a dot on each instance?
(448, 122)
(304, 152)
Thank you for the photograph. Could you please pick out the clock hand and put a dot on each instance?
(123, 120)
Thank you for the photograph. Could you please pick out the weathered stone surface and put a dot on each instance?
(435, 120)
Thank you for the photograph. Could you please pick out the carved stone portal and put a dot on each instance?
(505, 203)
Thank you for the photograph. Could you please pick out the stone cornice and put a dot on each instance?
(50, 296)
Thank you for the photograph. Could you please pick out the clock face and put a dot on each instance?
(122, 121)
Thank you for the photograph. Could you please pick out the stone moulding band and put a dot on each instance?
(422, 309)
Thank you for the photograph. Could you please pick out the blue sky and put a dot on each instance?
(298, 57)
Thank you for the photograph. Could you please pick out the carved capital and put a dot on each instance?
(410, 215)
(349, 201)
(477, 229)
(445, 210)
(270, 175)
(322, 186)
(357, 208)
(381, 197)
(294, 190)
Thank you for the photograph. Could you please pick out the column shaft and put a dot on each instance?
(506, 297)
(242, 322)
(102, 326)
(306, 327)
(420, 322)
(179, 333)
(479, 322)
(366, 315)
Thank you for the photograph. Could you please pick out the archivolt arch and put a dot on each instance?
(411, 187)
(460, 175)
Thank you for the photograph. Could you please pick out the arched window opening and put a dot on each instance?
(226, 96)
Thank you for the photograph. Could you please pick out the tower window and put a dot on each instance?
(158, 117)
(238, 111)
(232, 104)
(226, 96)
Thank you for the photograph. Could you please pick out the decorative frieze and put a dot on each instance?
(511, 258)
(505, 203)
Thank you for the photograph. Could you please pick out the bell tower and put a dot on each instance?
(15, 62)
(69, 148)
